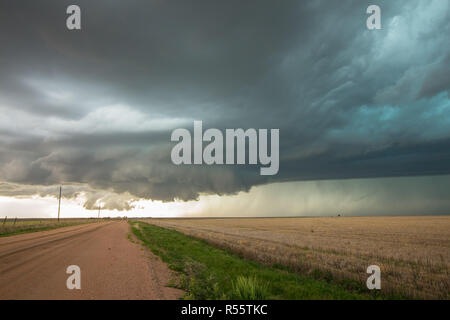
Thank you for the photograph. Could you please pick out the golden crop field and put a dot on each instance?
(412, 252)
(17, 226)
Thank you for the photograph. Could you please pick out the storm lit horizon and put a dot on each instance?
(400, 196)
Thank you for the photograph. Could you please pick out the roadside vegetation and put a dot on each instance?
(207, 272)
(18, 226)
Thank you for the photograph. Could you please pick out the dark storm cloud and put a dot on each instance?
(96, 107)
(92, 197)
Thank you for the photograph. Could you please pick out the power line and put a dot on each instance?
(59, 202)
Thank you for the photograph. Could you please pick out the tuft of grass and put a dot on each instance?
(207, 272)
(249, 288)
(199, 283)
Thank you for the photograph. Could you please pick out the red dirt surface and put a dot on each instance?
(33, 265)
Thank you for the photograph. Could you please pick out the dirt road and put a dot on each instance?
(33, 265)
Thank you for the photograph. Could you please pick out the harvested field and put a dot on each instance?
(412, 252)
(18, 226)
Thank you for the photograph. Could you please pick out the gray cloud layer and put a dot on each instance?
(95, 108)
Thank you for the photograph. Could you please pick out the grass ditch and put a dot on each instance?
(207, 272)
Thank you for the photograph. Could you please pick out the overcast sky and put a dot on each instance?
(357, 109)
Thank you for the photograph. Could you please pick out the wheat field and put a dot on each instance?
(412, 252)
(17, 226)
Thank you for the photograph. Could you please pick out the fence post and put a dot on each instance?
(4, 221)
(15, 219)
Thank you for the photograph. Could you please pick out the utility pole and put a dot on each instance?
(98, 212)
(59, 202)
